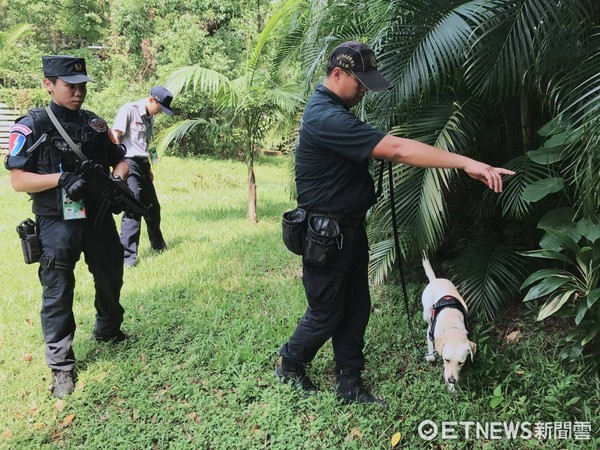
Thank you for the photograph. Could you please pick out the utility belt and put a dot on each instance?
(138, 159)
(343, 220)
(316, 236)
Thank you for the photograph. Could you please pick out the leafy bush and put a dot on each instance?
(570, 286)
(24, 99)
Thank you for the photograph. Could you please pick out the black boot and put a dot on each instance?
(350, 388)
(63, 383)
(295, 373)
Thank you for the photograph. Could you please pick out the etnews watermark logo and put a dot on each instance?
(541, 431)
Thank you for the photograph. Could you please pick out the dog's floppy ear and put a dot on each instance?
(439, 346)
(472, 349)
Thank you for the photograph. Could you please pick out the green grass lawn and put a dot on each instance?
(210, 315)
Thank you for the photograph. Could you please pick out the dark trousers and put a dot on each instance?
(339, 305)
(62, 242)
(141, 185)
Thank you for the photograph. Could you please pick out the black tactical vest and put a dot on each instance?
(54, 154)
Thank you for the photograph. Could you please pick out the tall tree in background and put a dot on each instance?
(257, 100)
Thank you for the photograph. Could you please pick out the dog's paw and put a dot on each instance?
(430, 357)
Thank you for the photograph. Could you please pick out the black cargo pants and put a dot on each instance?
(62, 242)
(339, 305)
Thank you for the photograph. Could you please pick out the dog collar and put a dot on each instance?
(448, 301)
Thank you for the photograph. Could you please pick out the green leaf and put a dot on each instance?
(549, 254)
(545, 273)
(562, 218)
(547, 156)
(564, 138)
(572, 401)
(540, 189)
(545, 287)
(582, 309)
(551, 127)
(554, 304)
(558, 139)
(498, 391)
(495, 401)
(592, 297)
(593, 332)
(592, 233)
(558, 240)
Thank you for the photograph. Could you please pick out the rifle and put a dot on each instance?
(101, 186)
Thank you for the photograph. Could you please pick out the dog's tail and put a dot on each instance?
(428, 270)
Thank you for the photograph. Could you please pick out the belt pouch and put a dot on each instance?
(293, 230)
(30, 243)
(323, 240)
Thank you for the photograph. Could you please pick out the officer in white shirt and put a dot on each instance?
(134, 128)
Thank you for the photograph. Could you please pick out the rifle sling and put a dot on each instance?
(64, 134)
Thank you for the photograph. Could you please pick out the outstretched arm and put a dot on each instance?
(415, 153)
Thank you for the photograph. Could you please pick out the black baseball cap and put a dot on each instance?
(359, 59)
(68, 68)
(164, 98)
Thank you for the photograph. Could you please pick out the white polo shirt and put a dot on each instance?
(137, 127)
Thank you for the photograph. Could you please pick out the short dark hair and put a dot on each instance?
(52, 79)
(330, 68)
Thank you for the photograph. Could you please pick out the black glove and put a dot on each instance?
(117, 208)
(123, 184)
(75, 186)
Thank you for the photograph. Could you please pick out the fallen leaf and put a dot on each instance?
(354, 435)
(7, 434)
(395, 440)
(135, 415)
(195, 417)
(68, 420)
(27, 357)
(28, 321)
(38, 426)
(59, 405)
(520, 372)
(512, 337)
(57, 434)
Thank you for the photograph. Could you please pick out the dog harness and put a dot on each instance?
(447, 301)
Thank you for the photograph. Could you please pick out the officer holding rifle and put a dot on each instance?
(47, 147)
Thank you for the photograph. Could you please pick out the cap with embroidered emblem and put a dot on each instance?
(70, 69)
(359, 59)
(164, 98)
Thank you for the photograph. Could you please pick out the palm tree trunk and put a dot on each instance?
(525, 119)
(251, 195)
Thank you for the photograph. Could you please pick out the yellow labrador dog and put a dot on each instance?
(445, 311)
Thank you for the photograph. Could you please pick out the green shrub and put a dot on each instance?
(570, 286)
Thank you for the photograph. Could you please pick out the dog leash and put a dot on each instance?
(397, 245)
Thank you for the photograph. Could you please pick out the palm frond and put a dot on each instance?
(12, 35)
(265, 36)
(175, 132)
(527, 172)
(488, 274)
(510, 36)
(284, 99)
(289, 46)
(423, 48)
(198, 79)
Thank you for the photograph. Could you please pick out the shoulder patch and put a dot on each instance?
(15, 144)
(20, 128)
(98, 124)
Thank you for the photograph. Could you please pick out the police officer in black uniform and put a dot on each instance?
(43, 164)
(334, 184)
